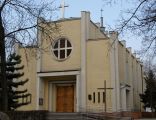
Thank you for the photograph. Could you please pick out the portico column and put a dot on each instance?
(50, 94)
(78, 91)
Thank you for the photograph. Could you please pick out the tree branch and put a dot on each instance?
(20, 29)
(3, 4)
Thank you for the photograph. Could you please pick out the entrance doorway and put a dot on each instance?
(65, 98)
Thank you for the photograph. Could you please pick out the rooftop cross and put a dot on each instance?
(101, 18)
(62, 7)
(101, 12)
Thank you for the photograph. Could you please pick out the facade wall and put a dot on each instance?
(49, 62)
(98, 70)
(130, 76)
(95, 31)
(29, 62)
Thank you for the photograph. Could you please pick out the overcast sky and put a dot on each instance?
(111, 14)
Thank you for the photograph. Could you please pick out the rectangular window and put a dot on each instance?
(98, 97)
(104, 97)
(89, 97)
(93, 97)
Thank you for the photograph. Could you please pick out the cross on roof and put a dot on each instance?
(102, 20)
(101, 12)
(62, 7)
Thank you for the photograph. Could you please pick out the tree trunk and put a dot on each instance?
(3, 80)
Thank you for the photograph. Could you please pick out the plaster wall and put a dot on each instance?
(71, 30)
(29, 62)
(98, 70)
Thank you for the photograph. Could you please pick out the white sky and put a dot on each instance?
(111, 14)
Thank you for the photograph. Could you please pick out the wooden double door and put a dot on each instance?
(65, 98)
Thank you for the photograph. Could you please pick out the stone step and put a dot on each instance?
(66, 116)
(70, 119)
(102, 117)
(62, 115)
(81, 116)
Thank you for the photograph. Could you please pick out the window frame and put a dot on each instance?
(65, 48)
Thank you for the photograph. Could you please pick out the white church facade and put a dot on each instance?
(81, 68)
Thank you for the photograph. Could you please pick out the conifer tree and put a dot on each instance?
(149, 96)
(14, 73)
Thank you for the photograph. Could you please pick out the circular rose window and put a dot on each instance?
(62, 48)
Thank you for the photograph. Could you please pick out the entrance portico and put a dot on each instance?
(59, 91)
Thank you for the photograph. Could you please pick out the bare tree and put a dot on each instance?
(141, 20)
(18, 24)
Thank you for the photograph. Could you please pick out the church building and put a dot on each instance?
(81, 67)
